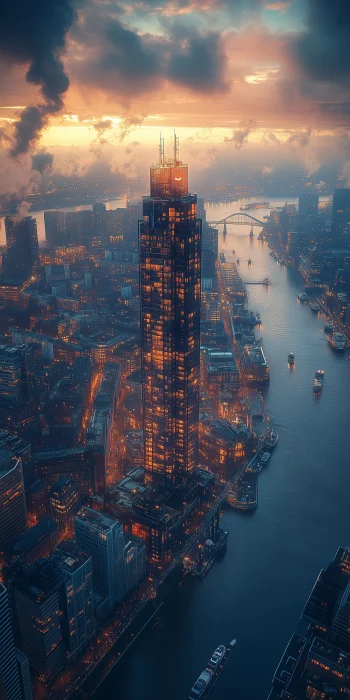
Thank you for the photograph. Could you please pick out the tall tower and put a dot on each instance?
(170, 263)
(22, 248)
(10, 687)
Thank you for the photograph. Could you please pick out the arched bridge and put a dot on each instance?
(241, 219)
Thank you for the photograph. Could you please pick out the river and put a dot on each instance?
(257, 592)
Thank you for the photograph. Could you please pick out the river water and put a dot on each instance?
(257, 592)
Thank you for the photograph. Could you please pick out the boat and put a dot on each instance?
(271, 441)
(217, 656)
(251, 232)
(302, 296)
(337, 341)
(201, 684)
(328, 327)
(291, 358)
(233, 643)
(266, 282)
(318, 381)
(258, 317)
(315, 308)
(249, 261)
(265, 458)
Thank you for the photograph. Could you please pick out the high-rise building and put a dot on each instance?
(170, 261)
(22, 248)
(64, 502)
(79, 226)
(24, 675)
(78, 610)
(341, 213)
(11, 387)
(54, 228)
(102, 538)
(308, 204)
(10, 687)
(13, 511)
(36, 592)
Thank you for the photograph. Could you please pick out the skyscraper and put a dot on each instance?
(10, 687)
(78, 610)
(36, 591)
(341, 213)
(54, 228)
(102, 538)
(13, 511)
(170, 261)
(308, 204)
(22, 248)
(11, 387)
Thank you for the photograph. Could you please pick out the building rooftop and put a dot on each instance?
(31, 537)
(96, 519)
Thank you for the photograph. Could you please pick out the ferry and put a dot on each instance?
(315, 308)
(217, 656)
(302, 296)
(328, 327)
(291, 358)
(266, 282)
(337, 341)
(265, 458)
(271, 441)
(201, 684)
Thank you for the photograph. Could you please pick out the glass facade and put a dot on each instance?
(170, 263)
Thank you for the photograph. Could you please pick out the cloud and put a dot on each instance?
(115, 58)
(299, 139)
(270, 139)
(240, 135)
(322, 50)
(127, 125)
(42, 162)
(267, 170)
(278, 6)
(33, 34)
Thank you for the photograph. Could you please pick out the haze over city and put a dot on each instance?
(174, 350)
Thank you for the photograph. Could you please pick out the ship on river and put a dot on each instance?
(209, 677)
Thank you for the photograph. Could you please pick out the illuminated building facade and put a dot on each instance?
(10, 687)
(13, 511)
(10, 373)
(170, 260)
(64, 503)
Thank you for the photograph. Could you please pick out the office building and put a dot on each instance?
(22, 248)
(10, 687)
(341, 214)
(64, 500)
(36, 592)
(13, 511)
(308, 204)
(78, 610)
(135, 562)
(79, 226)
(24, 675)
(11, 387)
(316, 661)
(37, 541)
(102, 538)
(170, 260)
(54, 228)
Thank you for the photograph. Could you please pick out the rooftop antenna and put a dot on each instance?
(161, 150)
(176, 149)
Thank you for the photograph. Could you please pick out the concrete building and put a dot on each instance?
(10, 687)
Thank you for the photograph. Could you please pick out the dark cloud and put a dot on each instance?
(33, 34)
(119, 60)
(103, 125)
(42, 162)
(323, 49)
(240, 135)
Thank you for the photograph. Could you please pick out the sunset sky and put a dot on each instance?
(98, 74)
